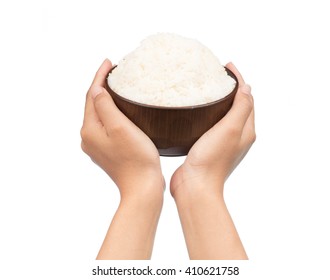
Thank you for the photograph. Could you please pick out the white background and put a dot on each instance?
(56, 205)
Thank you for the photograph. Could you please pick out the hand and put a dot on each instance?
(216, 154)
(130, 158)
(197, 185)
(113, 142)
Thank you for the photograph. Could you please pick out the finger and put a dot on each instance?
(249, 134)
(106, 110)
(250, 121)
(242, 107)
(238, 75)
(90, 115)
(102, 73)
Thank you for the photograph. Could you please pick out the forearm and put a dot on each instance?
(132, 231)
(208, 228)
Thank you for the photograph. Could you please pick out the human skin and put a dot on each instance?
(197, 185)
(130, 158)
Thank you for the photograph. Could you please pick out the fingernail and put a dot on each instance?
(246, 89)
(232, 65)
(95, 91)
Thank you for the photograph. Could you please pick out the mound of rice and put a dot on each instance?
(170, 70)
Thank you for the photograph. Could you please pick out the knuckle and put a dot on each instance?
(84, 147)
(233, 131)
(86, 134)
(117, 128)
(247, 101)
(253, 137)
(83, 133)
(98, 100)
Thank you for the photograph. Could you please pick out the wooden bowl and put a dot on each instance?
(174, 130)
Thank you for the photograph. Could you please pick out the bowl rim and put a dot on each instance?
(233, 92)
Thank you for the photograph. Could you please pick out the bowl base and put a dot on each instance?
(173, 152)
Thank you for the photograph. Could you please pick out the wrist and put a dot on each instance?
(193, 185)
(147, 191)
(197, 196)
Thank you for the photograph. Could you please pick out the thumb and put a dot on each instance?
(105, 108)
(241, 109)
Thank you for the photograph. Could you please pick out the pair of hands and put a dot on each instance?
(127, 155)
(130, 158)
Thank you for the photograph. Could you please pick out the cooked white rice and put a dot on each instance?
(170, 70)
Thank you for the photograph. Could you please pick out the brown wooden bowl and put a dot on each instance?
(174, 130)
